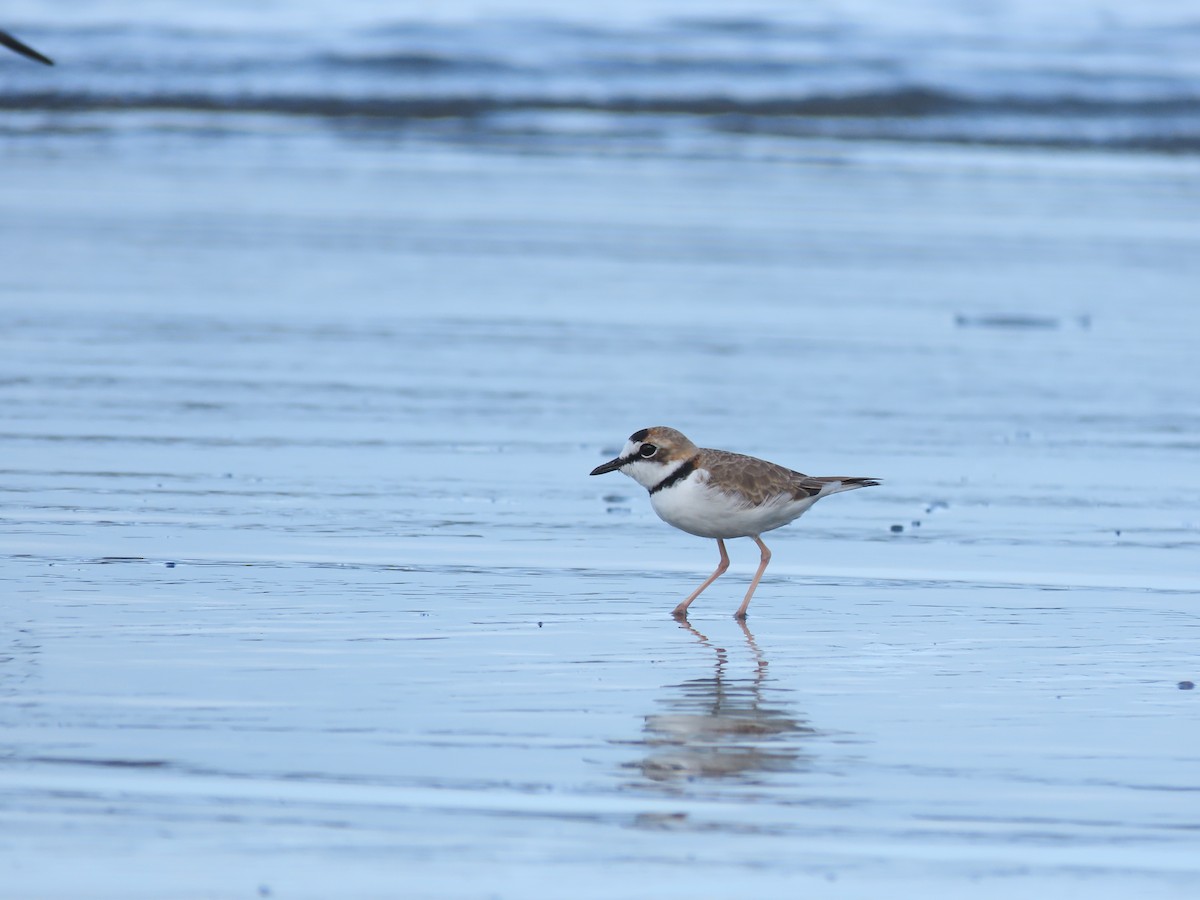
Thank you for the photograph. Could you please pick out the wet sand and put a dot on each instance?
(308, 591)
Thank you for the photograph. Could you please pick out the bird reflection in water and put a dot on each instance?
(722, 726)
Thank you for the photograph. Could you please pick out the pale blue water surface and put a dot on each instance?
(306, 591)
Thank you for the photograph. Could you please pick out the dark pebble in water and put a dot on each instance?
(1186, 685)
(896, 529)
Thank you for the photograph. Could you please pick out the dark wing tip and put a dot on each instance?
(25, 50)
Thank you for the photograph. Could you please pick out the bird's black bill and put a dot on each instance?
(25, 50)
(611, 466)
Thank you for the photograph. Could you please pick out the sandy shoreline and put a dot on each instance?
(353, 392)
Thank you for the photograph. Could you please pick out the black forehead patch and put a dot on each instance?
(640, 436)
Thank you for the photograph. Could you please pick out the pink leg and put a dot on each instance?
(762, 567)
(680, 612)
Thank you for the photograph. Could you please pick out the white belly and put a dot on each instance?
(692, 506)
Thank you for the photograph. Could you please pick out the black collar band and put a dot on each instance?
(678, 475)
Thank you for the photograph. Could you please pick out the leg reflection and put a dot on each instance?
(723, 726)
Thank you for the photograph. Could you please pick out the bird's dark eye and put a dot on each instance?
(647, 451)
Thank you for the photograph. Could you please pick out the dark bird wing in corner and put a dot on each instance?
(25, 50)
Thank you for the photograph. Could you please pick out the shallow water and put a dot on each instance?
(308, 591)
(631, 73)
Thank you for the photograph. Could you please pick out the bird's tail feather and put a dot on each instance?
(834, 484)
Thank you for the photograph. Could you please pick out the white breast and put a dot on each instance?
(695, 506)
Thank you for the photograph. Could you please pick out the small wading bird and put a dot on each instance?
(25, 50)
(718, 494)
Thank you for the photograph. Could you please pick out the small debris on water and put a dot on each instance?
(1020, 321)
(661, 821)
(539, 624)
(1186, 685)
(1006, 320)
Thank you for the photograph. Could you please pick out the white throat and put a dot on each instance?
(649, 474)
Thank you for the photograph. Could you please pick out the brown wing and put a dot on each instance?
(756, 479)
